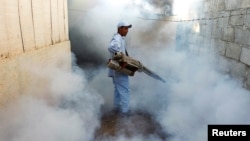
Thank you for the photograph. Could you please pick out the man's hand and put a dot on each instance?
(118, 56)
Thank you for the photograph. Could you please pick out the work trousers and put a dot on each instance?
(121, 92)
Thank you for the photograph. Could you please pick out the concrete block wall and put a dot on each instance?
(224, 26)
(31, 31)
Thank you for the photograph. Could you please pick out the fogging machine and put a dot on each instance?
(125, 64)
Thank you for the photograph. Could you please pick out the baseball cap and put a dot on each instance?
(124, 23)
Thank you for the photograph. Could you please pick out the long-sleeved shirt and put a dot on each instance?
(117, 44)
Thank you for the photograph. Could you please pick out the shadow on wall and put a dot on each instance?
(86, 52)
(84, 48)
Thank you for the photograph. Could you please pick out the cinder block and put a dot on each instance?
(245, 4)
(236, 20)
(221, 5)
(232, 4)
(247, 82)
(233, 51)
(247, 20)
(238, 70)
(242, 36)
(228, 34)
(218, 32)
(245, 57)
(219, 46)
(223, 18)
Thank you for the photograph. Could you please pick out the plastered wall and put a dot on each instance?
(32, 33)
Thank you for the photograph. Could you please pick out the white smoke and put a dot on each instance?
(57, 106)
(200, 95)
(196, 92)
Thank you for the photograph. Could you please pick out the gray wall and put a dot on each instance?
(225, 28)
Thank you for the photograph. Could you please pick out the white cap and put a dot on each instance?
(124, 23)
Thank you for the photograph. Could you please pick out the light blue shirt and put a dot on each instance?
(117, 44)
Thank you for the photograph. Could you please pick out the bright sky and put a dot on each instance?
(181, 8)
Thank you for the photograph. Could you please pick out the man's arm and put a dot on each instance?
(114, 46)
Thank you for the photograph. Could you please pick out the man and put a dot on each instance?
(120, 80)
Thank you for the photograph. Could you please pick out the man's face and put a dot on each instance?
(123, 30)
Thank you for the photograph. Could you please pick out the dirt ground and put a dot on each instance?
(139, 123)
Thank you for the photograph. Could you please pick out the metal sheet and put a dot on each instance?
(66, 23)
(14, 37)
(27, 27)
(3, 31)
(61, 20)
(38, 18)
(47, 22)
(55, 22)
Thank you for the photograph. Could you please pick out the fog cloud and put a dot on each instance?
(197, 92)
